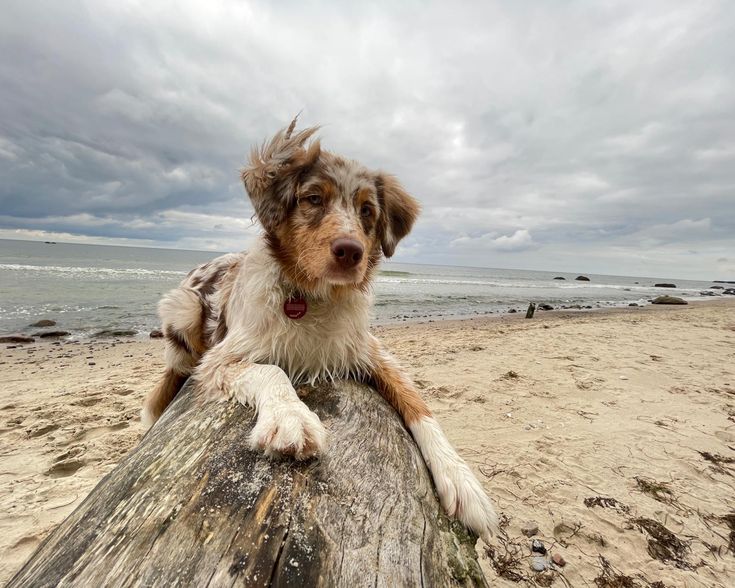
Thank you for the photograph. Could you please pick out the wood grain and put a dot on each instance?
(193, 506)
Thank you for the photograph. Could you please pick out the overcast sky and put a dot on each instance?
(570, 136)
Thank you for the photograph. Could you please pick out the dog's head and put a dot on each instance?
(327, 219)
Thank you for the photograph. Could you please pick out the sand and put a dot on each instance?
(603, 428)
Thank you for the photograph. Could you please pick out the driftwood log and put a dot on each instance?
(193, 506)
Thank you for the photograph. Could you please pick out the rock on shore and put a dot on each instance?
(669, 300)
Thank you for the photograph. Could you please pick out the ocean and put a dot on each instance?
(87, 289)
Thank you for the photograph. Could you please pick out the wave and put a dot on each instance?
(102, 272)
(549, 285)
(393, 273)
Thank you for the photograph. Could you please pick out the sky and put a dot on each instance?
(577, 136)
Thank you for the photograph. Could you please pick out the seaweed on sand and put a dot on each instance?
(729, 520)
(609, 577)
(663, 545)
(606, 502)
(657, 490)
(717, 461)
(507, 565)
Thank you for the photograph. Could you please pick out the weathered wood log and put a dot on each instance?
(193, 506)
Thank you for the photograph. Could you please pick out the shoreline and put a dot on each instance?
(549, 412)
(376, 324)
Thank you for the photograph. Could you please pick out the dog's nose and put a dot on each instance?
(347, 252)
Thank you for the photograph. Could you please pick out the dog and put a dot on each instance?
(295, 309)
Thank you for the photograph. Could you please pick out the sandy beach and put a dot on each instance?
(612, 431)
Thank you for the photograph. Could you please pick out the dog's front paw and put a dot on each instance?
(463, 498)
(289, 429)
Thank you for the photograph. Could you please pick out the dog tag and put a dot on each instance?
(294, 308)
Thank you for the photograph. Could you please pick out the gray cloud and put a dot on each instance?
(570, 136)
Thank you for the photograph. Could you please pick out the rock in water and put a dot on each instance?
(115, 333)
(156, 334)
(545, 307)
(729, 291)
(669, 300)
(582, 279)
(44, 323)
(717, 287)
(16, 338)
(559, 278)
(633, 304)
(51, 334)
(664, 285)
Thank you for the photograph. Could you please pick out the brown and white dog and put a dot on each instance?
(295, 308)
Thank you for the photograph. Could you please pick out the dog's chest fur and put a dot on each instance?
(330, 341)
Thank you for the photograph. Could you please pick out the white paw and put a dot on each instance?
(461, 495)
(289, 428)
(463, 498)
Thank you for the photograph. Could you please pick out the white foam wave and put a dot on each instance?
(101, 272)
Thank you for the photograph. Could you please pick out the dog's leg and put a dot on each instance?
(161, 396)
(460, 493)
(284, 424)
(181, 314)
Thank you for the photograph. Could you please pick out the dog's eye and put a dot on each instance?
(314, 199)
(366, 210)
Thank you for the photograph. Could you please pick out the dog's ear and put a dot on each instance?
(272, 174)
(398, 212)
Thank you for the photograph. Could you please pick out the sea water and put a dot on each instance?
(90, 288)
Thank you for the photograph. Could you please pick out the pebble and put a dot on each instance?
(623, 377)
(538, 547)
(558, 560)
(529, 529)
(539, 564)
